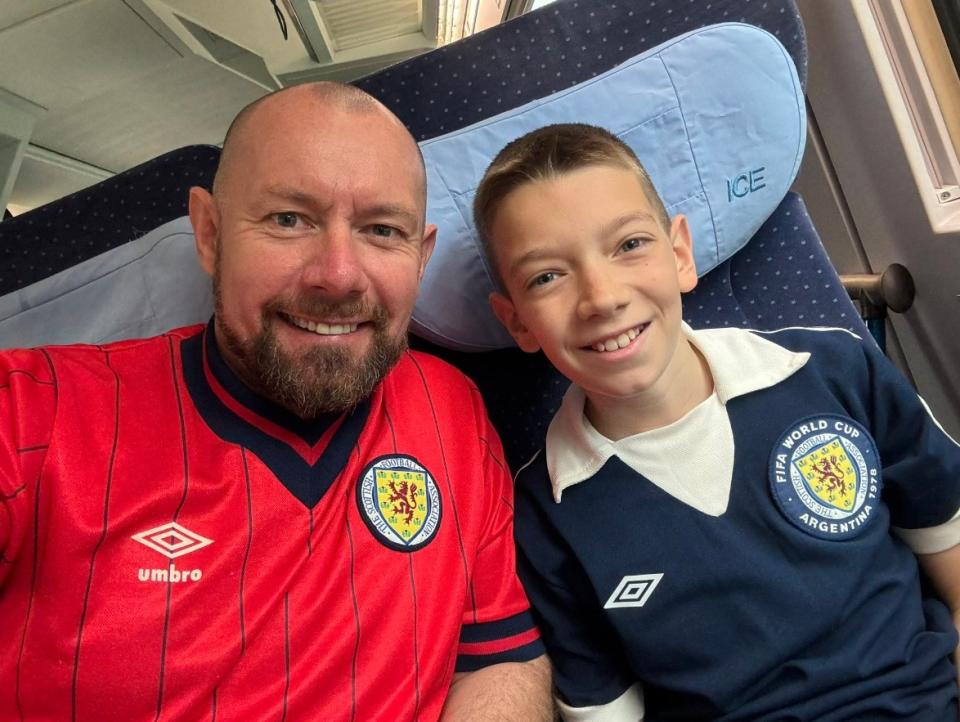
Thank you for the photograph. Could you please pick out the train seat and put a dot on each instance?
(781, 277)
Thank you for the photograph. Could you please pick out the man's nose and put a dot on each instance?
(334, 262)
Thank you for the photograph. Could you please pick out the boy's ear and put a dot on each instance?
(683, 252)
(205, 219)
(506, 313)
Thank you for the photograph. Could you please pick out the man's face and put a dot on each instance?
(594, 280)
(318, 252)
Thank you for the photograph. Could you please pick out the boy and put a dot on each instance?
(707, 534)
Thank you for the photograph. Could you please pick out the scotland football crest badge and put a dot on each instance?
(825, 476)
(400, 502)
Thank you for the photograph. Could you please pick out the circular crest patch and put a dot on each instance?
(825, 476)
(400, 502)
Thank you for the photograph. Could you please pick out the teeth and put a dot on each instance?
(323, 329)
(621, 341)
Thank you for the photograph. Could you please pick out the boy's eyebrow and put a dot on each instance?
(619, 221)
(534, 254)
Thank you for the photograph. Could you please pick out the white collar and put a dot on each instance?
(740, 362)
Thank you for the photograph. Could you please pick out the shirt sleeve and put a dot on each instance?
(590, 671)
(497, 624)
(628, 707)
(27, 404)
(920, 461)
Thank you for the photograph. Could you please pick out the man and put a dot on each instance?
(285, 515)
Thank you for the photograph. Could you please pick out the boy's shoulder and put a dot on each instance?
(827, 346)
(809, 338)
(532, 480)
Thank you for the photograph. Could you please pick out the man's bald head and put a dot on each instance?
(307, 99)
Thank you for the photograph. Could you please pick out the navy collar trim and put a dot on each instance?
(308, 430)
(285, 450)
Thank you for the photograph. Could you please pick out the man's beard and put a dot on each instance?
(319, 380)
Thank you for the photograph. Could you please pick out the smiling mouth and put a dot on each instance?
(319, 328)
(621, 340)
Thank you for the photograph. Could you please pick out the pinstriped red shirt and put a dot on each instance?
(175, 548)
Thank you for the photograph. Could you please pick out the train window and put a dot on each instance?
(926, 78)
(881, 170)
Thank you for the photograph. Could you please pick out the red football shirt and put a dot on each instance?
(174, 547)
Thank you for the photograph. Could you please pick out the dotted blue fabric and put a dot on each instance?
(782, 278)
(61, 234)
(552, 49)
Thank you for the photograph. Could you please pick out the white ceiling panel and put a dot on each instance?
(185, 102)
(118, 82)
(39, 182)
(83, 49)
(14, 12)
(251, 24)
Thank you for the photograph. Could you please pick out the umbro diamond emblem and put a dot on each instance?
(172, 540)
(633, 591)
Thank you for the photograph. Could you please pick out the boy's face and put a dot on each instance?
(593, 279)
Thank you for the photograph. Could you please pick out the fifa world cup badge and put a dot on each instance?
(825, 476)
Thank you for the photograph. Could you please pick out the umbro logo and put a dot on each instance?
(173, 541)
(633, 591)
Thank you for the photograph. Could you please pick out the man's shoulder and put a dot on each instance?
(45, 357)
(430, 369)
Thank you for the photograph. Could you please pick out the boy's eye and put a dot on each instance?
(631, 244)
(543, 279)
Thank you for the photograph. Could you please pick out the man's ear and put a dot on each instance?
(506, 313)
(426, 248)
(205, 219)
(683, 252)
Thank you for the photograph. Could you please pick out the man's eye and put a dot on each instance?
(383, 231)
(631, 244)
(286, 219)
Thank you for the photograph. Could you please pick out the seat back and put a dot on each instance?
(781, 278)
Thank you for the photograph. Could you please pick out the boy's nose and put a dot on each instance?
(600, 295)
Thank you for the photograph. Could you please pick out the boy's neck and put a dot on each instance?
(685, 384)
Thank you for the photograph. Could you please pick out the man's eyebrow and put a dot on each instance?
(392, 210)
(383, 210)
(288, 194)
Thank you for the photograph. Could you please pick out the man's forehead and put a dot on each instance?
(310, 115)
(313, 161)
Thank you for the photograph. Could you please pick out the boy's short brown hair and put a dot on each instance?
(549, 152)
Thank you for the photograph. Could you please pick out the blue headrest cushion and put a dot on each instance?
(716, 116)
(141, 288)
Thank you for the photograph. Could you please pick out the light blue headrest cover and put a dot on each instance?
(716, 116)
